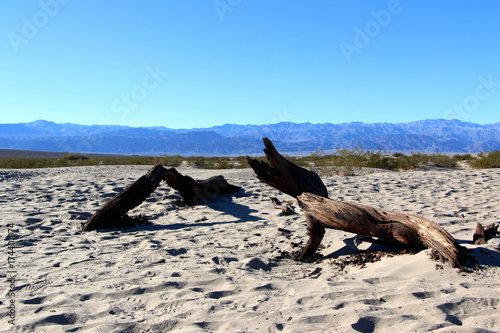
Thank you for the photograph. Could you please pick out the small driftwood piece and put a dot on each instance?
(193, 191)
(285, 206)
(482, 235)
(412, 231)
(114, 213)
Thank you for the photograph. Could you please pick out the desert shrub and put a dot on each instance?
(240, 162)
(343, 162)
(416, 160)
(205, 162)
(442, 160)
(405, 162)
(171, 161)
(487, 161)
(382, 161)
(22, 163)
(75, 157)
(347, 162)
(463, 157)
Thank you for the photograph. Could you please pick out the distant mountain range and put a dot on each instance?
(439, 135)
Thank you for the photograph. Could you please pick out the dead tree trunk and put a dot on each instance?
(285, 175)
(193, 191)
(114, 213)
(409, 229)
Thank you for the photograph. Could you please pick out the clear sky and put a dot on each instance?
(185, 64)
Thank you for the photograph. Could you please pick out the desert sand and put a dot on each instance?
(217, 267)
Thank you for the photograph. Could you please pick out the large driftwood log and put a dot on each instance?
(193, 191)
(114, 213)
(410, 230)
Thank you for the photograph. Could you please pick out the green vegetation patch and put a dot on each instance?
(486, 161)
(344, 162)
(70, 160)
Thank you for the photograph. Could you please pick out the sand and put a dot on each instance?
(217, 267)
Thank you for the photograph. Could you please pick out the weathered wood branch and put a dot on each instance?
(193, 191)
(113, 213)
(410, 230)
(285, 175)
(285, 206)
(483, 234)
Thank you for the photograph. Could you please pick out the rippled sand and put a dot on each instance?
(216, 267)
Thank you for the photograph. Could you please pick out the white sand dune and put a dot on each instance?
(215, 267)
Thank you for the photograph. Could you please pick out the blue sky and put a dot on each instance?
(185, 64)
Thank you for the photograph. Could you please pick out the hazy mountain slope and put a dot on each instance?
(427, 135)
